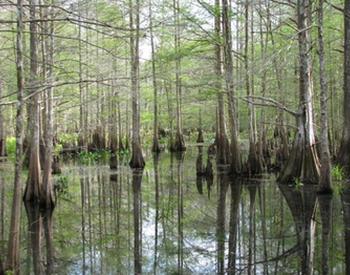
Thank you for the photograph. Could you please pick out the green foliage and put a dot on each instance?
(61, 185)
(93, 157)
(66, 138)
(298, 183)
(337, 173)
(11, 147)
(57, 149)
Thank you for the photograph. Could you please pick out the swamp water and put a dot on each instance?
(169, 221)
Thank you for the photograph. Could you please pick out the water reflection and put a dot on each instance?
(234, 222)
(39, 227)
(137, 211)
(345, 197)
(325, 206)
(302, 204)
(222, 186)
(170, 219)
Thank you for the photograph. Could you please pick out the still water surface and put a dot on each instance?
(168, 220)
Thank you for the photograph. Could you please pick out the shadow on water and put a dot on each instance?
(181, 215)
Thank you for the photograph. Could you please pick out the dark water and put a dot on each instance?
(169, 221)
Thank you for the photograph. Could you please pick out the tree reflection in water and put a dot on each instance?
(171, 219)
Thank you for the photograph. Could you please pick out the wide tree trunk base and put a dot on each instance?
(254, 164)
(155, 146)
(200, 138)
(113, 144)
(113, 161)
(235, 165)
(34, 185)
(302, 165)
(325, 184)
(179, 143)
(137, 161)
(223, 150)
(47, 199)
(98, 140)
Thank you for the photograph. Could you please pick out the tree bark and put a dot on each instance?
(222, 143)
(200, 138)
(82, 130)
(47, 195)
(34, 181)
(13, 258)
(303, 161)
(137, 160)
(280, 135)
(2, 129)
(179, 142)
(155, 145)
(325, 169)
(227, 36)
(254, 164)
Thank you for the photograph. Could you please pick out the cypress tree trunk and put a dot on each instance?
(34, 181)
(120, 130)
(82, 130)
(2, 129)
(227, 35)
(155, 145)
(113, 133)
(325, 170)
(280, 135)
(222, 143)
(200, 138)
(303, 161)
(263, 147)
(344, 151)
(13, 249)
(137, 160)
(179, 142)
(47, 198)
(254, 164)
